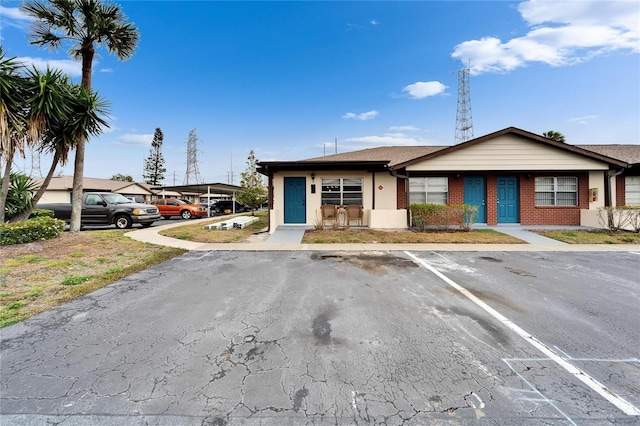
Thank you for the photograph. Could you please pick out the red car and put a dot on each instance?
(169, 207)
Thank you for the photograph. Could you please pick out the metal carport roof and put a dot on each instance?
(201, 188)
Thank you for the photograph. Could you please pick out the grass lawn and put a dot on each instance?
(599, 236)
(35, 277)
(363, 236)
(194, 232)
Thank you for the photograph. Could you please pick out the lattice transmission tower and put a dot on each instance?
(464, 122)
(193, 174)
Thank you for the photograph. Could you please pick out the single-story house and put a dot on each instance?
(512, 175)
(60, 189)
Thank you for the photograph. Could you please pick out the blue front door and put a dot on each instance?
(474, 195)
(508, 200)
(295, 201)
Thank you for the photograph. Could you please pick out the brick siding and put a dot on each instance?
(530, 214)
(401, 193)
(621, 198)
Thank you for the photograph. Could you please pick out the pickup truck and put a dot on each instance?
(107, 208)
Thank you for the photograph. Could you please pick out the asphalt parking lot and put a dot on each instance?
(306, 337)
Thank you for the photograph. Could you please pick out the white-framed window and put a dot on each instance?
(432, 190)
(342, 191)
(632, 190)
(556, 191)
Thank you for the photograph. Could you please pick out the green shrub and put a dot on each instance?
(27, 231)
(20, 194)
(41, 213)
(442, 216)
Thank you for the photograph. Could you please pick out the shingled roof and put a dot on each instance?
(393, 154)
(627, 153)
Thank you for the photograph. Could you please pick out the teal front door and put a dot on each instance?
(295, 200)
(474, 195)
(508, 200)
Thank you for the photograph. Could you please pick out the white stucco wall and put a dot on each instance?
(597, 181)
(385, 215)
(55, 197)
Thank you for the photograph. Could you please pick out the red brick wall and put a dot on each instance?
(530, 214)
(620, 191)
(456, 190)
(401, 193)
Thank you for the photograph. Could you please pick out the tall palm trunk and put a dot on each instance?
(78, 168)
(5, 182)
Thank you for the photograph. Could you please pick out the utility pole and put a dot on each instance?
(464, 122)
(192, 175)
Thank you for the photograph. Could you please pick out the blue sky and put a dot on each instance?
(288, 78)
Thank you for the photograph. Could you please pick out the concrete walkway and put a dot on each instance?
(287, 235)
(290, 240)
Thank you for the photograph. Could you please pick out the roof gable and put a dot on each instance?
(518, 134)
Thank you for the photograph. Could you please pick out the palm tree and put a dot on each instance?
(556, 136)
(84, 118)
(86, 24)
(12, 130)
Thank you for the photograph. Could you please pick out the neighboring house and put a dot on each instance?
(61, 188)
(512, 175)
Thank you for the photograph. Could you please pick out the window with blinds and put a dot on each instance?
(632, 190)
(342, 191)
(556, 191)
(432, 190)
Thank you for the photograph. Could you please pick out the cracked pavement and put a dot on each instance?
(277, 338)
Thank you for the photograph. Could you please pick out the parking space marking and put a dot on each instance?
(635, 252)
(608, 394)
(535, 392)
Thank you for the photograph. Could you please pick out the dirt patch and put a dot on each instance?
(376, 264)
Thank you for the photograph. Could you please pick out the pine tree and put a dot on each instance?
(154, 165)
(252, 192)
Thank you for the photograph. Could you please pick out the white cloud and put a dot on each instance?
(404, 128)
(135, 139)
(561, 33)
(424, 89)
(394, 139)
(582, 120)
(108, 70)
(374, 22)
(67, 66)
(14, 14)
(362, 116)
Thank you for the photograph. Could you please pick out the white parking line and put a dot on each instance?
(608, 394)
(635, 252)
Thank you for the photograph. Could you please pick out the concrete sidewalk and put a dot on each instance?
(291, 241)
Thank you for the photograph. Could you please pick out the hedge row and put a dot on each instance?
(39, 228)
(440, 216)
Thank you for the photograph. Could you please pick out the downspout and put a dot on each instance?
(607, 196)
(607, 188)
(406, 195)
(373, 190)
(269, 198)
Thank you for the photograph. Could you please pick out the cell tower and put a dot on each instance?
(193, 175)
(464, 122)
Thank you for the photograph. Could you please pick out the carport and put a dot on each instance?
(202, 189)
